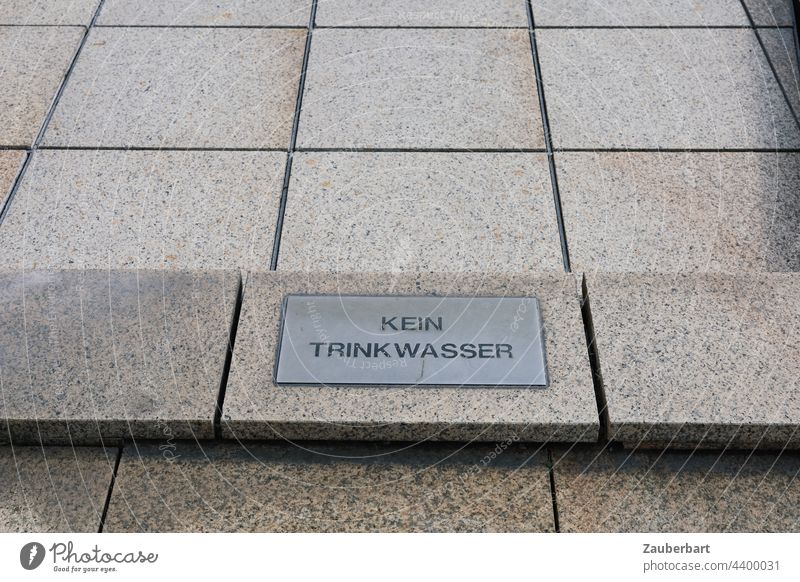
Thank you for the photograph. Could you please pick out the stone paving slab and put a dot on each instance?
(421, 211)
(181, 87)
(709, 88)
(206, 13)
(675, 212)
(699, 359)
(638, 13)
(255, 407)
(10, 163)
(600, 491)
(779, 44)
(144, 209)
(331, 488)
(54, 489)
(62, 12)
(464, 89)
(34, 60)
(770, 12)
(93, 356)
(422, 13)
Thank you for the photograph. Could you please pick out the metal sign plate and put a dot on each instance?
(397, 340)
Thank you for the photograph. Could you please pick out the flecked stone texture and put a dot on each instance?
(255, 407)
(638, 13)
(332, 488)
(54, 489)
(699, 359)
(421, 211)
(206, 13)
(708, 88)
(672, 212)
(598, 491)
(10, 162)
(101, 355)
(181, 87)
(779, 44)
(34, 60)
(75, 12)
(394, 88)
(144, 209)
(770, 12)
(421, 13)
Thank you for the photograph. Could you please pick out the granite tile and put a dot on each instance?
(206, 13)
(34, 59)
(332, 488)
(144, 209)
(779, 44)
(674, 212)
(54, 489)
(181, 87)
(62, 12)
(411, 88)
(10, 164)
(662, 88)
(620, 491)
(255, 407)
(91, 356)
(638, 13)
(394, 212)
(770, 12)
(699, 359)
(417, 13)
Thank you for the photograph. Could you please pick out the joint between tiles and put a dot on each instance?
(226, 370)
(594, 362)
(551, 473)
(111, 487)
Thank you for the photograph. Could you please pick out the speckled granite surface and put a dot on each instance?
(770, 12)
(779, 44)
(206, 13)
(54, 489)
(402, 88)
(420, 211)
(87, 356)
(233, 88)
(257, 408)
(144, 209)
(598, 491)
(31, 12)
(677, 212)
(353, 488)
(10, 162)
(735, 99)
(421, 13)
(34, 60)
(638, 13)
(700, 359)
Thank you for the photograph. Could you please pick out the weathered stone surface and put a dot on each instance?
(779, 44)
(255, 407)
(421, 13)
(770, 12)
(34, 59)
(54, 489)
(403, 88)
(181, 87)
(711, 89)
(144, 209)
(206, 13)
(700, 359)
(675, 212)
(598, 491)
(420, 211)
(638, 13)
(338, 488)
(10, 163)
(62, 12)
(91, 356)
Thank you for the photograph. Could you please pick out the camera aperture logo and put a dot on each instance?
(67, 559)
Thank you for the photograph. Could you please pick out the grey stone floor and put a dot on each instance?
(169, 169)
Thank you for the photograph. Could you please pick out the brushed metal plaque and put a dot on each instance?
(399, 340)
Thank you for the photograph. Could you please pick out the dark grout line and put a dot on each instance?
(276, 245)
(551, 470)
(418, 27)
(425, 150)
(548, 138)
(111, 488)
(159, 149)
(681, 150)
(209, 26)
(226, 370)
(594, 362)
(771, 66)
(51, 110)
